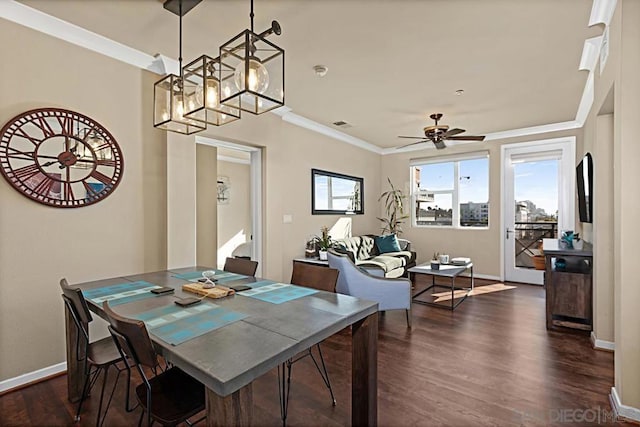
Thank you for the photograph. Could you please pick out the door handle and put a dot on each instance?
(509, 231)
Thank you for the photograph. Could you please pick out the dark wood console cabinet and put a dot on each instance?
(569, 288)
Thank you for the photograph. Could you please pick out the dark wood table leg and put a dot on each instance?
(364, 371)
(233, 410)
(75, 368)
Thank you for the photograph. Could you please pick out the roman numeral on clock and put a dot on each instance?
(101, 177)
(26, 172)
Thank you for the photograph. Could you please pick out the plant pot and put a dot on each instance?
(323, 255)
(578, 244)
(435, 265)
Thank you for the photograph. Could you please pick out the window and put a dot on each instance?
(451, 192)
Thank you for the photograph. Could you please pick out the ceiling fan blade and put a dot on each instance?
(467, 138)
(412, 137)
(451, 132)
(413, 143)
(439, 145)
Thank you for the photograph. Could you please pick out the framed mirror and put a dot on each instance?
(336, 194)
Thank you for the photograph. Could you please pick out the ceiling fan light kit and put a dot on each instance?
(439, 133)
(247, 75)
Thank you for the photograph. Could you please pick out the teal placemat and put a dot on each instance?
(260, 283)
(221, 276)
(277, 293)
(121, 293)
(175, 324)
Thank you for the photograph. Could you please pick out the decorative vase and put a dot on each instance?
(578, 244)
(323, 255)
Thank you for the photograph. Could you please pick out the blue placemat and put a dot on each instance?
(176, 325)
(121, 293)
(221, 276)
(277, 293)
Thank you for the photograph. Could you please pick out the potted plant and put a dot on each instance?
(435, 261)
(394, 201)
(323, 243)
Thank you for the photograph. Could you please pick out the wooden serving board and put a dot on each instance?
(218, 291)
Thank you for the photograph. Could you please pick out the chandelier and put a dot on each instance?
(247, 75)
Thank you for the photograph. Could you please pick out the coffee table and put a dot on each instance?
(446, 270)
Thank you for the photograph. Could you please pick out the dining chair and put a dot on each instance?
(241, 266)
(169, 397)
(316, 277)
(99, 355)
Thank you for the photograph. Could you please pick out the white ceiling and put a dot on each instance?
(392, 62)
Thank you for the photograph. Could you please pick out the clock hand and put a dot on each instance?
(44, 165)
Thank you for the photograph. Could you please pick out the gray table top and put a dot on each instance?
(232, 356)
(446, 270)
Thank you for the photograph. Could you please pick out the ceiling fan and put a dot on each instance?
(439, 133)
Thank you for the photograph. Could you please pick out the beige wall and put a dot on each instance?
(627, 232)
(206, 205)
(598, 140)
(481, 245)
(289, 153)
(123, 234)
(149, 222)
(615, 230)
(234, 218)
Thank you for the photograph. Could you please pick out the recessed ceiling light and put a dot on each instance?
(459, 92)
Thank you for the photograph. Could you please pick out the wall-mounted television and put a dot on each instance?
(584, 175)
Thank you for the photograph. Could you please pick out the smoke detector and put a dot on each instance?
(320, 70)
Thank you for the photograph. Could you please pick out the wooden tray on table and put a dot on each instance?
(217, 291)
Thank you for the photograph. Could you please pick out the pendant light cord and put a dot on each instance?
(251, 16)
(180, 53)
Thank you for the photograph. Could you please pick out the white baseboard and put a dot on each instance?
(623, 411)
(602, 344)
(30, 377)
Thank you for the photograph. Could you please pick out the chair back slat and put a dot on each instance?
(132, 337)
(76, 302)
(314, 276)
(241, 266)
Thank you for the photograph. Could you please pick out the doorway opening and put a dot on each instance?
(539, 199)
(239, 201)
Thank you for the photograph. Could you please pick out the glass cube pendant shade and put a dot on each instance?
(169, 107)
(202, 93)
(253, 70)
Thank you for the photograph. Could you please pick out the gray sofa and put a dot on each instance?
(364, 253)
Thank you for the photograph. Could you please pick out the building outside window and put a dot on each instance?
(451, 191)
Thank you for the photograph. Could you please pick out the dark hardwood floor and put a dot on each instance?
(490, 362)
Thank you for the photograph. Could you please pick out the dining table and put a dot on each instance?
(226, 343)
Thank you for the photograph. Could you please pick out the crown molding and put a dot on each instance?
(590, 54)
(602, 12)
(290, 117)
(11, 10)
(26, 16)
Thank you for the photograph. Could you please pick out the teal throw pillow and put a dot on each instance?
(388, 243)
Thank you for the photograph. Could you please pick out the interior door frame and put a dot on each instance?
(566, 190)
(255, 171)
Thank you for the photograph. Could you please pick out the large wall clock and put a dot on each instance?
(60, 158)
